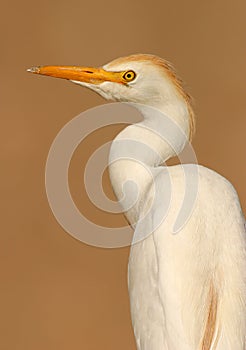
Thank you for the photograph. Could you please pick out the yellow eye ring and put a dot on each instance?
(129, 75)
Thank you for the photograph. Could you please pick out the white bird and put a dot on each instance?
(187, 290)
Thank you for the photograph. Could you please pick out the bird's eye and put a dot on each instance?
(129, 75)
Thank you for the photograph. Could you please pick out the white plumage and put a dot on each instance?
(187, 290)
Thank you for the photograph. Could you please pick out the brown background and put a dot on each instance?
(57, 293)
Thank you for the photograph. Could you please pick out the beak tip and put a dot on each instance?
(33, 70)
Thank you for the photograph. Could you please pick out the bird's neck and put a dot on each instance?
(140, 148)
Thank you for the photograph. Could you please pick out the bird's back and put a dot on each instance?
(188, 290)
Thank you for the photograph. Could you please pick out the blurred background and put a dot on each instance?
(56, 292)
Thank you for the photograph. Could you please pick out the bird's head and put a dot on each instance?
(141, 78)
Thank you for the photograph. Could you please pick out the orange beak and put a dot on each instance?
(83, 74)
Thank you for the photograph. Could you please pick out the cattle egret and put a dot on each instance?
(187, 290)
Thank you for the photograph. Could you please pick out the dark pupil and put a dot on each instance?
(128, 75)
